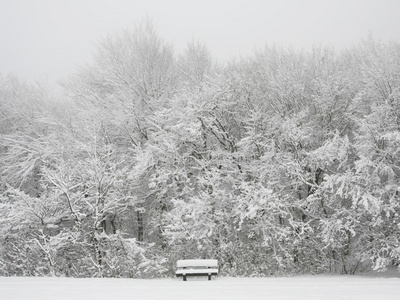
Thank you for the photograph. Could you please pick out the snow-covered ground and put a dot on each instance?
(303, 287)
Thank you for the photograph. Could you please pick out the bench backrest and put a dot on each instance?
(207, 263)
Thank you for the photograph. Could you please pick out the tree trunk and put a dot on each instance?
(139, 216)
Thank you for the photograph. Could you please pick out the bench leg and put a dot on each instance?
(184, 277)
(209, 276)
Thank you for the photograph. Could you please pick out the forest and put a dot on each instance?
(279, 163)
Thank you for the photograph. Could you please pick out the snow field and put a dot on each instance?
(299, 288)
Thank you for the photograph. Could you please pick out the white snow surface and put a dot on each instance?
(302, 287)
(197, 263)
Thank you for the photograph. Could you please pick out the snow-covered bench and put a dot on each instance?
(196, 267)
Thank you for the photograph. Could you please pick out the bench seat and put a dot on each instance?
(197, 272)
(197, 267)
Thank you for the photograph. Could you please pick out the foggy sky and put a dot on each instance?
(47, 40)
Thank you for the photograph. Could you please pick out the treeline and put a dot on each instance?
(283, 162)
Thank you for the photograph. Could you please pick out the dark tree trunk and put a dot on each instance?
(139, 216)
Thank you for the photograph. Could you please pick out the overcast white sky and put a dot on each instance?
(49, 39)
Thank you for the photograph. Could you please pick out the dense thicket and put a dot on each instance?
(284, 162)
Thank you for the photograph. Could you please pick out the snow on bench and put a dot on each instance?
(196, 267)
